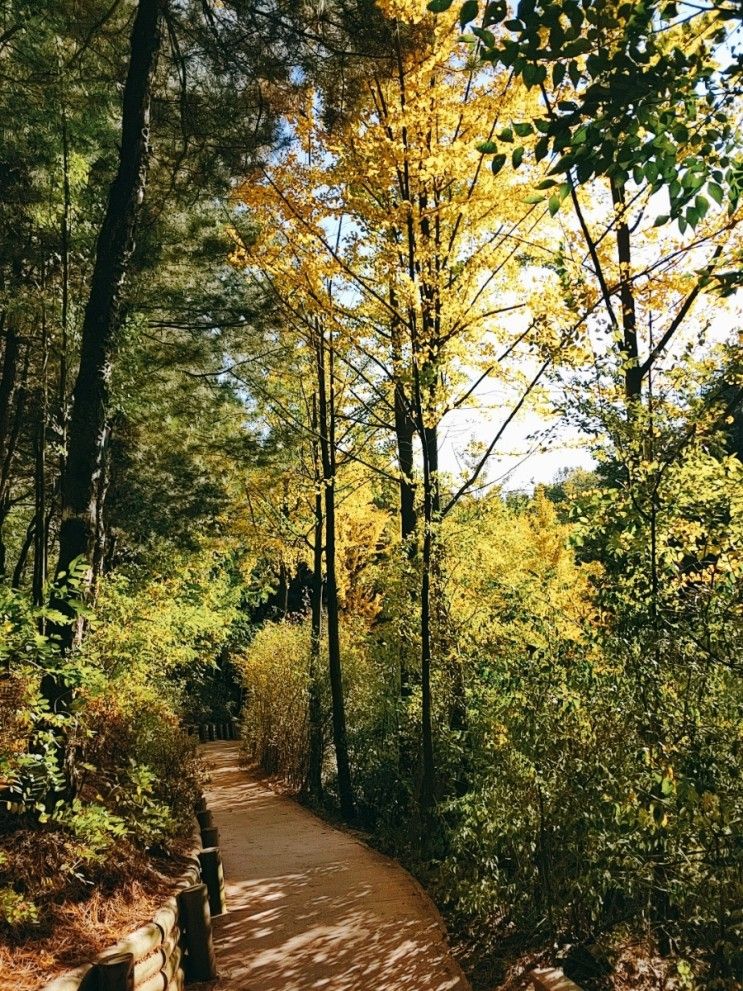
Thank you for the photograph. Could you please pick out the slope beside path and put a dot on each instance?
(311, 908)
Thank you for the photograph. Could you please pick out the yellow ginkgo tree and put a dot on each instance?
(396, 208)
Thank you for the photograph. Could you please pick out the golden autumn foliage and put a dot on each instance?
(395, 207)
(394, 260)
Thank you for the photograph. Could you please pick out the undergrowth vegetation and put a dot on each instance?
(131, 773)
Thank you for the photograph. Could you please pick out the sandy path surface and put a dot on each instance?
(311, 908)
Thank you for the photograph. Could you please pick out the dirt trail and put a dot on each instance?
(310, 907)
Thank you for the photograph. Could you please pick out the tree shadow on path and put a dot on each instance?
(311, 908)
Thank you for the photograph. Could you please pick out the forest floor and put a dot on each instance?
(76, 930)
(312, 907)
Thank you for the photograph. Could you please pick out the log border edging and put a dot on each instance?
(159, 935)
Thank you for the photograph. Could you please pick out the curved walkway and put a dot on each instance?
(310, 908)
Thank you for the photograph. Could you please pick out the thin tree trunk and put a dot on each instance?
(432, 506)
(4, 510)
(632, 375)
(65, 315)
(12, 404)
(8, 387)
(8, 380)
(40, 548)
(284, 575)
(404, 432)
(62, 405)
(80, 485)
(110, 555)
(18, 397)
(432, 457)
(314, 771)
(104, 478)
(326, 411)
(428, 437)
(40, 508)
(427, 779)
(28, 541)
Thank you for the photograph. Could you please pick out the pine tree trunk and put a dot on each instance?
(40, 548)
(10, 394)
(8, 381)
(88, 421)
(40, 508)
(6, 467)
(89, 415)
(4, 509)
(28, 541)
(101, 535)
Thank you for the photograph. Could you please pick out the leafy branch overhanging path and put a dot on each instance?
(310, 907)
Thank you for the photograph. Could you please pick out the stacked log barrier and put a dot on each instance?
(205, 819)
(210, 836)
(116, 972)
(210, 858)
(154, 957)
(175, 947)
(550, 979)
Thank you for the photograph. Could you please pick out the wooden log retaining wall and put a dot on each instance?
(155, 948)
(157, 956)
(551, 979)
(175, 947)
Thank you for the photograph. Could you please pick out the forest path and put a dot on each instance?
(311, 908)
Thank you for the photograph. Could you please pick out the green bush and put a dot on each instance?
(131, 773)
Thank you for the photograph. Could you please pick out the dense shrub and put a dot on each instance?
(275, 668)
(132, 769)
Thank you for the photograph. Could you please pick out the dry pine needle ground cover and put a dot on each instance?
(76, 929)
